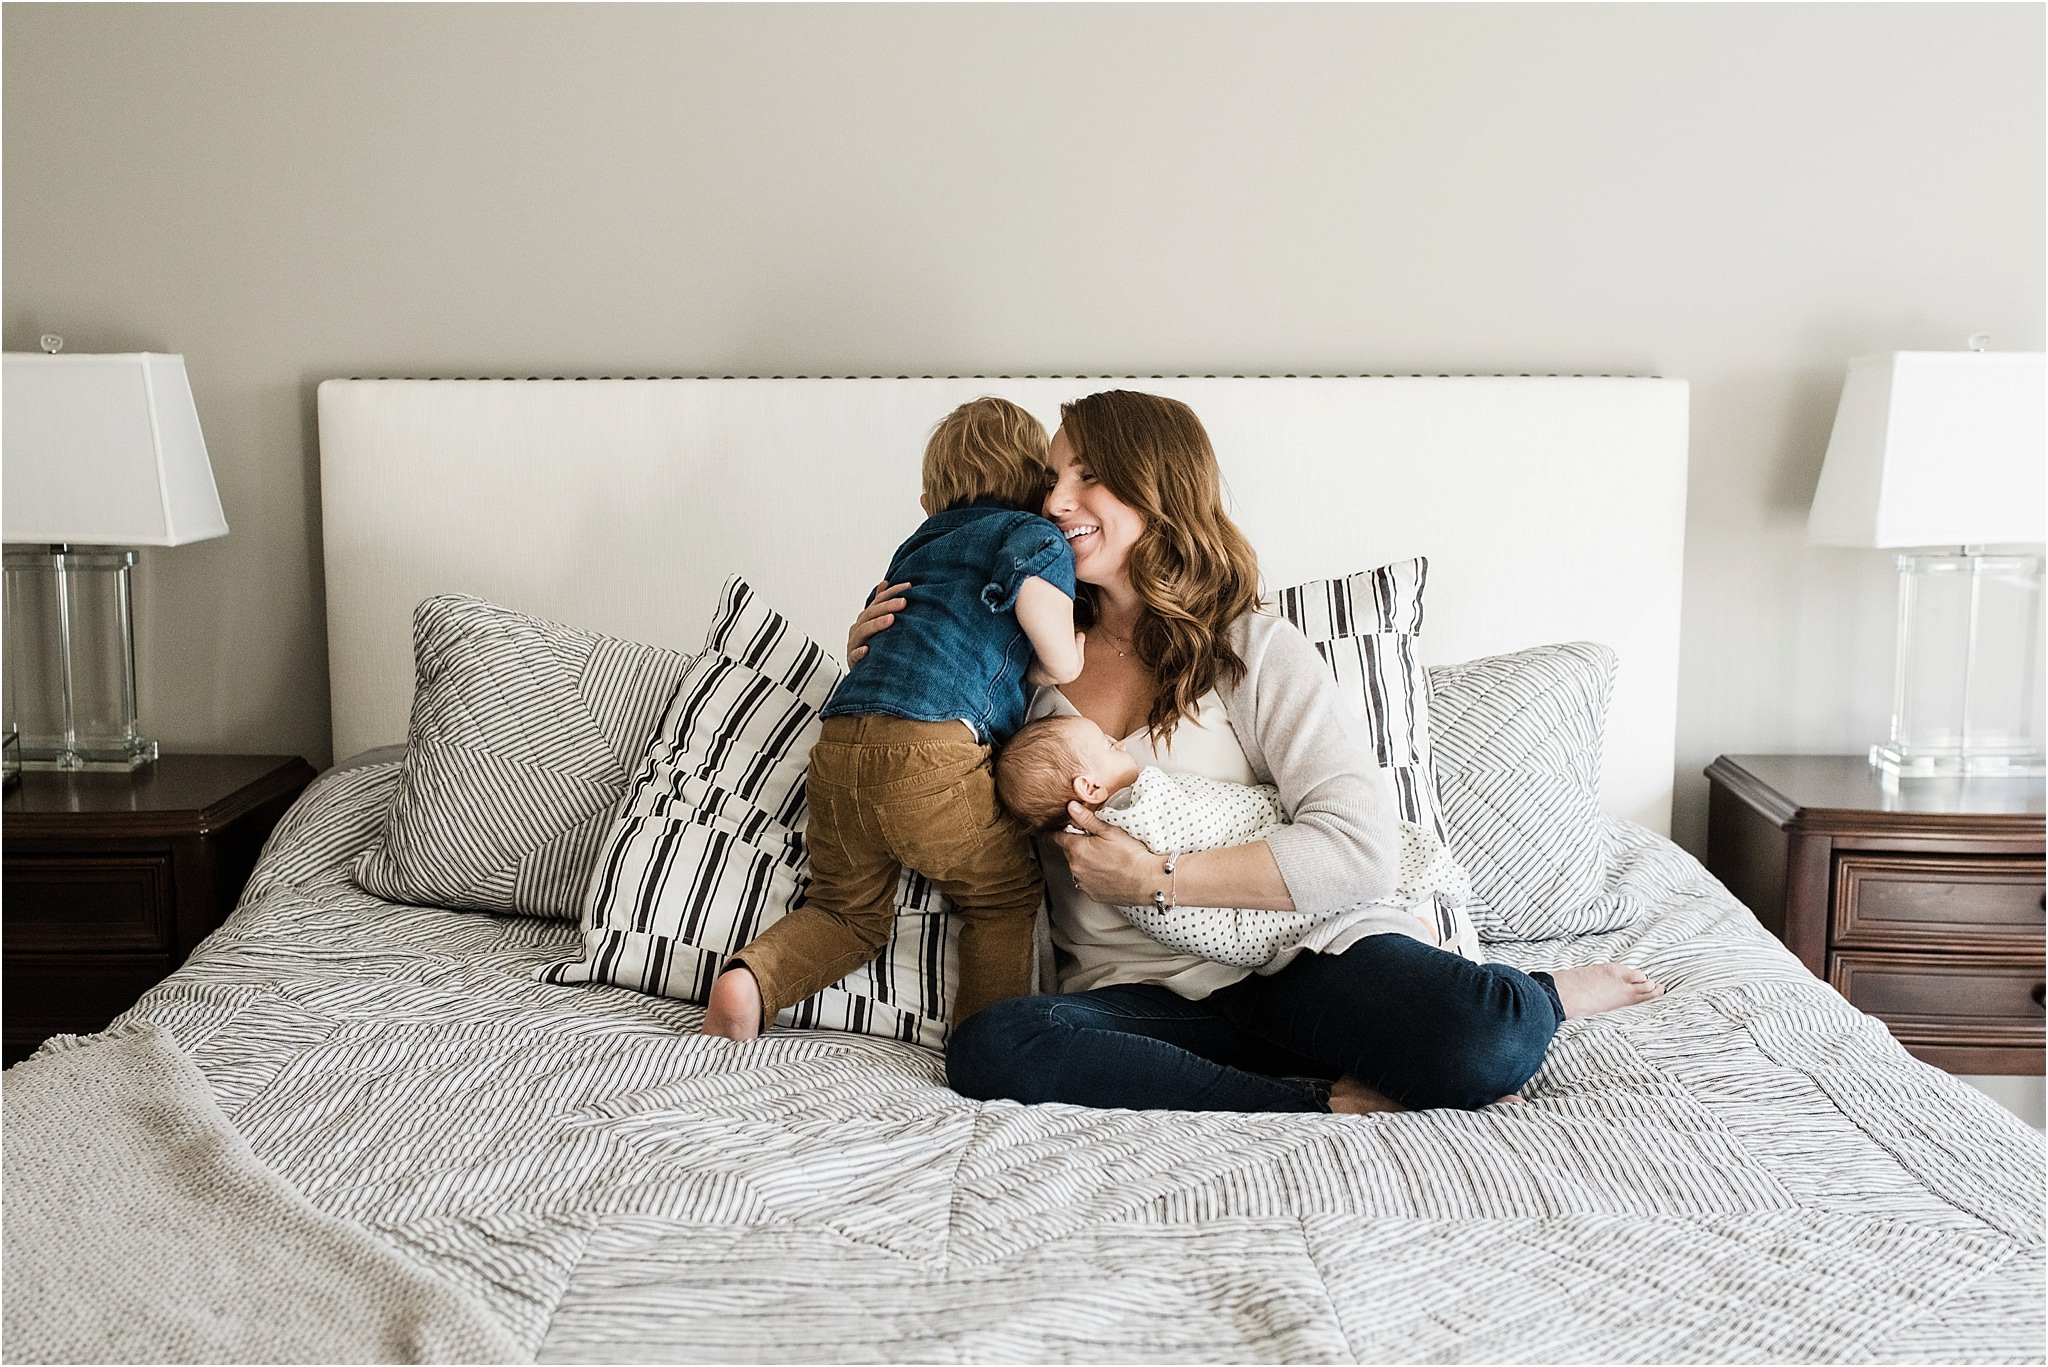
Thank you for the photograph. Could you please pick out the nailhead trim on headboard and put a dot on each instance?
(1580, 475)
(1408, 375)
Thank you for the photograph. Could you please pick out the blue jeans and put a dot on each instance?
(1421, 1025)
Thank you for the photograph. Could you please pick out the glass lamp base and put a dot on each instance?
(86, 755)
(1899, 762)
(1967, 697)
(70, 659)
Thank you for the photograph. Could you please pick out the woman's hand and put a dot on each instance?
(1108, 865)
(881, 610)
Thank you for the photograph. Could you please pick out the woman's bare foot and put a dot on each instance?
(1349, 1096)
(1589, 990)
(734, 1009)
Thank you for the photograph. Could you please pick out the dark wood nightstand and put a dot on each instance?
(112, 879)
(1921, 901)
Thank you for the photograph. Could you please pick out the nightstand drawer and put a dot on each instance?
(1933, 999)
(1905, 901)
(73, 994)
(59, 903)
(112, 878)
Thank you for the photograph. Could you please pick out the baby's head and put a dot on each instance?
(1056, 760)
(988, 448)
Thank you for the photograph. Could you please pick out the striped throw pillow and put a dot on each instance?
(1517, 749)
(1364, 626)
(524, 737)
(708, 848)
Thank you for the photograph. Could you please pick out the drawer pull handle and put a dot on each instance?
(2041, 994)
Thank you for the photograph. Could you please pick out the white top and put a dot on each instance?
(1099, 947)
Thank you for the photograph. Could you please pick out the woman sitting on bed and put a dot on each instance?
(1182, 666)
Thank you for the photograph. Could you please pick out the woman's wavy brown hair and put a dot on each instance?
(1192, 567)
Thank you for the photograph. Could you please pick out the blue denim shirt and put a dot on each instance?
(956, 650)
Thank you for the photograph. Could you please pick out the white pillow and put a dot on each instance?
(1516, 742)
(708, 849)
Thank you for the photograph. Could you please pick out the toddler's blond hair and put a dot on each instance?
(1035, 772)
(986, 448)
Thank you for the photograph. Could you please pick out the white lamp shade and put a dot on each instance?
(1937, 448)
(104, 451)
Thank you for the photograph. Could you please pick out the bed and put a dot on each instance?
(1745, 1170)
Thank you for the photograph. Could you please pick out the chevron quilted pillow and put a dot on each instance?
(1516, 742)
(708, 849)
(1364, 626)
(524, 738)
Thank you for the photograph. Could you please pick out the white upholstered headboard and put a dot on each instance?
(1551, 509)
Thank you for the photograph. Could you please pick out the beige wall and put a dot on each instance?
(1741, 196)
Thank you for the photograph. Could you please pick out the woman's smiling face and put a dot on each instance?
(1100, 527)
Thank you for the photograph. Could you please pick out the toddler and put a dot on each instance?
(901, 776)
(1057, 760)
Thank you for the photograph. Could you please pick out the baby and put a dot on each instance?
(1056, 760)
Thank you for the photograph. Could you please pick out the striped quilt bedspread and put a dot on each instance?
(1746, 1170)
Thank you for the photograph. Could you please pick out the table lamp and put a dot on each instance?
(1945, 454)
(99, 453)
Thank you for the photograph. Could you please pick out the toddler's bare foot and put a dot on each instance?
(1349, 1096)
(1594, 988)
(734, 1010)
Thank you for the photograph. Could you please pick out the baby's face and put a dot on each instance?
(1104, 763)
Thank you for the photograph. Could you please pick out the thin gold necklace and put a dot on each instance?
(1114, 638)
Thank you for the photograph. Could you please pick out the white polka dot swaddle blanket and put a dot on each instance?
(1186, 813)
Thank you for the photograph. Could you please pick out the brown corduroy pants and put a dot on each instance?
(887, 794)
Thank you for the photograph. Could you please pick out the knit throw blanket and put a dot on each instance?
(139, 1227)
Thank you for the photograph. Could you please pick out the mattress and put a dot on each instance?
(1747, 1169)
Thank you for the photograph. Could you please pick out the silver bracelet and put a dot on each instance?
(1167, 898)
